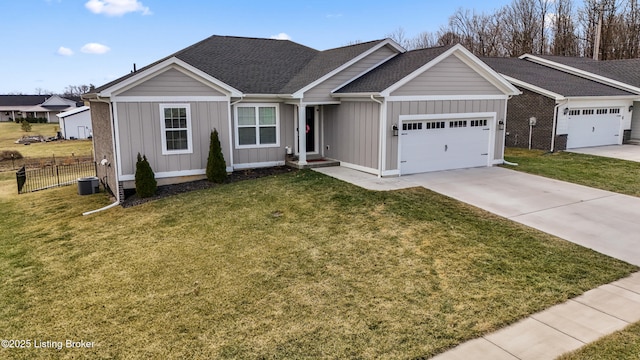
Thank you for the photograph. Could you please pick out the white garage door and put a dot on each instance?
(433, 145)
(594, 127)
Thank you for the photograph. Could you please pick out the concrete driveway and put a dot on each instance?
(624, 152)
(601, 220)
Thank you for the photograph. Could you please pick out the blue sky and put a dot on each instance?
(49, 44)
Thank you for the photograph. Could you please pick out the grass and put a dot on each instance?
(10, 132)
(624, 344)
(293, 266)
(615, 175)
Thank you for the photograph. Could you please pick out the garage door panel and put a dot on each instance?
(459, 144)
(594, 127)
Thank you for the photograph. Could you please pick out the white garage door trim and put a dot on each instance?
(594, 126)
(491, 124)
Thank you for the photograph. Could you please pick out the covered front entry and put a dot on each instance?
(594, 127)
(443, 144)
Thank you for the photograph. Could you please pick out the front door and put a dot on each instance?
(311, 128)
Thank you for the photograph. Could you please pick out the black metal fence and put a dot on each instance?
(53, 176)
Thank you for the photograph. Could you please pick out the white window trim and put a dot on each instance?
(163, 130)
(257, 126)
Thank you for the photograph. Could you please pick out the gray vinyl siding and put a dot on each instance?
(397, 108)
(449, 77)
(351, 131)
(270, 154)
(170, 83)
(139, 129)
(322, 92)
(635, 120)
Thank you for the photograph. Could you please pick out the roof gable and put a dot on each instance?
(328, 63)
(405, 67)
(147, 73)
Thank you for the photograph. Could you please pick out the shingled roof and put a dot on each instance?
(393, 70)
(551, 79)
(22, 100)
(626, 71)
(260, 66)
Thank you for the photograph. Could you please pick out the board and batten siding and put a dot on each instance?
(322, 92)
(635, 120)
(170, 83)
(397, 108)
(269, 154)
(140, 132)
(351, 133)
(451, 76)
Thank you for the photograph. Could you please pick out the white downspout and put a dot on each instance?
(382, 145)
(555, 122)
(115, 155)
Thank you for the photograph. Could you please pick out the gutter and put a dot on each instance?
(115, 154)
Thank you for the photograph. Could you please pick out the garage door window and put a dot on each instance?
(587, 112)
(412, 126)
(574, 112)
(458, 123)
(614, 111)
(477, 123)
(435, 125)
(602, 111)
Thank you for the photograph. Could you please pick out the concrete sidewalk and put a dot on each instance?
(623, 152)
(561, 328)
(598, 219)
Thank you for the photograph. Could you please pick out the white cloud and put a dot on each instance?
(95, 48)
(64, 51)
(116, 7)
(281, 36)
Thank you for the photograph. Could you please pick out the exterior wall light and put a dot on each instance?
(395, 129)
(501, 125)
(566, 111)
(630, 108)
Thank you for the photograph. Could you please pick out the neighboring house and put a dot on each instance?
(76, 123)
(35, 106)
(372, 106)
(570, 111)
(623, 74)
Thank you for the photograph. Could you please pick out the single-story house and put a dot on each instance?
(559, 110)
(372, 106)
(76, 123)
(623, 74)
(33, 106)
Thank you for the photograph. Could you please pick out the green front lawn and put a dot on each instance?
(292, 266)
(624, 344)
(615, 175)
(10, 132)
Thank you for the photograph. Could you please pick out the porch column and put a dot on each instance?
(302, 134)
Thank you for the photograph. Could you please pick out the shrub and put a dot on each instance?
(6, 154)
(216, 167)
(26, 126)
(146, 184)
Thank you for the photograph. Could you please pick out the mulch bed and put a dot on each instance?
(239, 175)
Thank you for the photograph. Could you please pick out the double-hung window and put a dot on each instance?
(175, 123)
(257, 125)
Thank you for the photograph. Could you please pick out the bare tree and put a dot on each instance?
(77, 90)
(398, 35)
(423, 40)
(565, 40)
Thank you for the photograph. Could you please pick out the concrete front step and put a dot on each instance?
(312, 163)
